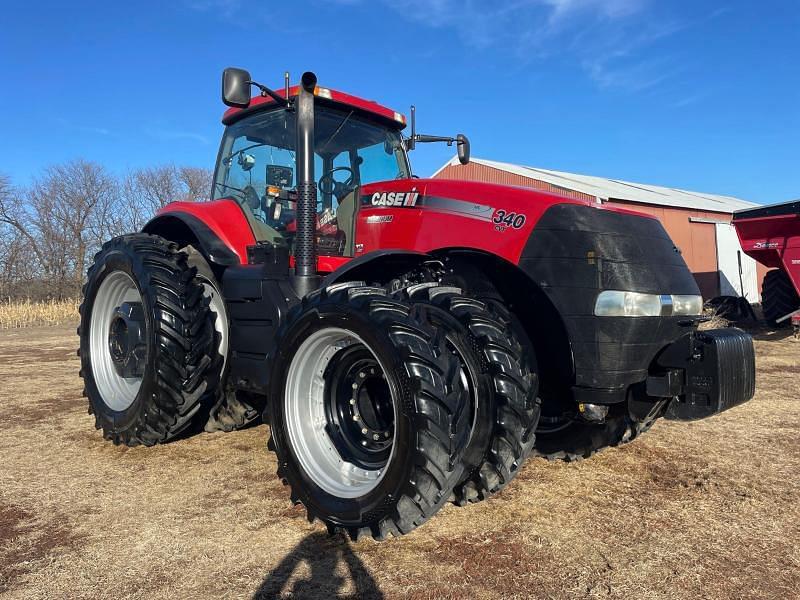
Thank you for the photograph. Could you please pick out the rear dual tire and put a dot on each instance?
(503, 386)
(227, 409)
(406, 390)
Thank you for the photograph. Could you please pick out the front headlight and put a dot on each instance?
(612, 303)
(617, 303)
(687, 305)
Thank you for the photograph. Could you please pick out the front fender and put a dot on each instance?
(379, 265)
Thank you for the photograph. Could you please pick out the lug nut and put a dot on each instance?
(364, 431)
(376, 437)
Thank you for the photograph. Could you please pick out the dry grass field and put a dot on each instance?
(25, 313)
(703, 510)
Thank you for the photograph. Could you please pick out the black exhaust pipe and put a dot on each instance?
(306, 278)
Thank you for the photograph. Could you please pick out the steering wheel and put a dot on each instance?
(328, 185)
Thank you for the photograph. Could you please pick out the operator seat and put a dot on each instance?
(261, 231)
(345, 218)
(265, 233)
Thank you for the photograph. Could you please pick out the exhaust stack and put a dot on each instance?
(305, 247)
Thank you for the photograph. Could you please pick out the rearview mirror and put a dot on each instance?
(462, 145)
(236, 87)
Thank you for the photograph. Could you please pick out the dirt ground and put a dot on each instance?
(702, 510)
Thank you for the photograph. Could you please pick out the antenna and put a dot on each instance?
(286, 83)
(412, 141)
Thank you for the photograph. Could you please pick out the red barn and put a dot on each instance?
(698, 223)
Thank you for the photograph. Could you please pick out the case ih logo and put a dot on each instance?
(394, 198)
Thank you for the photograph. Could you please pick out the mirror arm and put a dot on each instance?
(265, 91)
(461, 141)
(425, 139)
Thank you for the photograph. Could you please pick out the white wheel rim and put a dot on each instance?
(217, 305)
(305, 417)
(117, 392)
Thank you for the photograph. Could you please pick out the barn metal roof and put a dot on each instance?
(615, 189)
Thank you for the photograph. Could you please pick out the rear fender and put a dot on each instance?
(220, 220)
(185, 229)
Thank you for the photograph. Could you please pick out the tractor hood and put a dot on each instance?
(479, 191)
(445, 213)
(518, 196)
(573, 250)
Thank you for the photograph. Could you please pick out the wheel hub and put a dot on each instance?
(360, 413)
(126, 343)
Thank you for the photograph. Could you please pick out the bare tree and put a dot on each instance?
(64, 215)
(6, 189)
(15, 265)
(146, 190)
(49, 230)
(19, 268)
(18, 227)
(197, 183)
(12, 210)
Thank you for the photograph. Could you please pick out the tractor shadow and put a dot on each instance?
(332, 565)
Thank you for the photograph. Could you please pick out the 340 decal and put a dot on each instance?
(503, 219)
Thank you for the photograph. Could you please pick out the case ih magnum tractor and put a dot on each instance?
(409, 341)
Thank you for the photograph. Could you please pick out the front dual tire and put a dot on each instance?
(503, 384)
(148, 346)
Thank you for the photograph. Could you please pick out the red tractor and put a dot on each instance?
(409, 341)
(771, 235)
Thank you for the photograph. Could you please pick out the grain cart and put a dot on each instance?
(771, 235)
(408, 340)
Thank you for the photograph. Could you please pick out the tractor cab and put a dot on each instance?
(352, 146)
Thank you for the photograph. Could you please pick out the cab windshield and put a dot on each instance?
(256, 167)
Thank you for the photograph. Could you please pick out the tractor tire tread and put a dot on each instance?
(779, 298)
(586, 440)
(488, 323)
(184, 338)
(436, 403)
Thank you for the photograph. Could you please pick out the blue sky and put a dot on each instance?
(698, 95)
